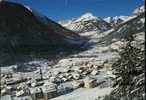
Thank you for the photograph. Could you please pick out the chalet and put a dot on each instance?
(36, 93)
(89, 82)
(49, 90)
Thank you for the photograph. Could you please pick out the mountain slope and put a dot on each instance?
(114, 21)
(138, 10)
(85, 23)
(23, 31)
(129, 69)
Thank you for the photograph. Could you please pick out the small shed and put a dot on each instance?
(24, 92)
(20, 93)
(77, 84)
(49, 90)
(36, 93)
(89, 82)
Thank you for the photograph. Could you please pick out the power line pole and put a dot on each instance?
(41, 74)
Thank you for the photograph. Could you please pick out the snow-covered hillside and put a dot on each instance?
(139, 10)
(114, 21)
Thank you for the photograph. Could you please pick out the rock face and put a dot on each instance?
(22, 30)
(85, 23)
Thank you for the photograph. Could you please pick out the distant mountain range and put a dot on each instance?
(88, 22)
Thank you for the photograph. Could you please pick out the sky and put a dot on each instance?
(66, 9)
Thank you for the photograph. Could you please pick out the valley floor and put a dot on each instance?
(86, 94)
(94, 56)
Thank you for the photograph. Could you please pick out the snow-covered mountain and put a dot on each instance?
(116, 20)
(85, 23)
(138, 10)
(133, 31)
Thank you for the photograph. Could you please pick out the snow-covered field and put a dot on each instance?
(86, 94)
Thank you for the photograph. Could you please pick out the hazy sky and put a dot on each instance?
(66, 9)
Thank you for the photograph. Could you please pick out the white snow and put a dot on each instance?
(85, 23)
(129, 18)
(116, 20)
(65, 23)
(85, 94)
(124, 17)
(139, 10)
(86, 17)
(28, 7)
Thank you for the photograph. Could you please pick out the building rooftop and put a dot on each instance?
(49, 87)
(35, 90)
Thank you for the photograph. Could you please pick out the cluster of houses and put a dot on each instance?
(33, 90)
(44, 92)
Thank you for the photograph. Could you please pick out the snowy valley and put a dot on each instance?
(93, 68)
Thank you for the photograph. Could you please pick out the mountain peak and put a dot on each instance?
(86, 17)
(85, 23)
